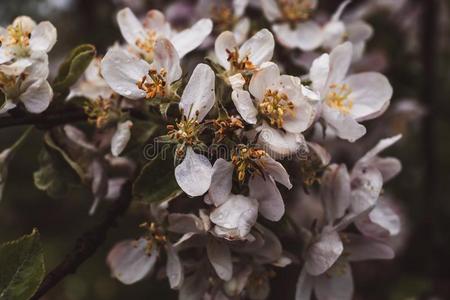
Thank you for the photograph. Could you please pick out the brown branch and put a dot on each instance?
(44, 120)
(86, 245)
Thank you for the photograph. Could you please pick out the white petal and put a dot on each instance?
(335, 192)
(5, 55)
(174, 268)
(379, 147)
(130, 27)
(43, 37)
(344, 125)
(333, 34)
(271, 10)
(238, 212)
(239, 7)
(340, 60)
(244, 105)
(156, 21)
(362, 248)
(381, 222)
(17, 67)
(189, 39)
(26, 23)
(323, 253)
(337, 15)
(278, 143)
(121, 137)
(37, 97)
(194, 173)
(199, 93)
(335, 287)
(271, 204)
(304, 286)
(185, 223)
(366, 188)
(129, 261)
(302, 118)
(306, 36)
(221, 181)
(259, 48)
(220, 257)
(359, 31)
(276, 170)
(370, 93)
(166, 57)
(122, 72)
(265, 78)
(225, 41)
(241, 30)
(319, 72)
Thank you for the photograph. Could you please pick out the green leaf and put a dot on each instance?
(156, 182)
(22, 267)
(73, 67)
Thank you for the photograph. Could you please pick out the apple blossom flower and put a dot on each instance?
(142, 36)
(25, 40)
(26, 84)
(135, 79)
(282, 105)
(193, 174)
(347, 100)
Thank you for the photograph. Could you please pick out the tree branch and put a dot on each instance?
(45, 120)
(86, 245)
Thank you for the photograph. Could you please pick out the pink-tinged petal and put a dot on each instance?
(130, 27)
(265, 78)
(338, 286)
(371, 92)
(319, 72)
(304, 286)
(280, 144)
(194, 173)
(199, 94)
(343, 123)
(122, 72)
(37, 97)
(189, 39)
(121, 137)
(220, 257)
(323, 253)
(366, 188)
(259, 48)
(43, 37)
(340, 60)
(363, 248)
(271, 10)
(271, 204)
(174, 268)
(129, 261)
(166, 57)
(336, 192)
(306, 36)
(221, 181)
(276, 170)
(225, 41)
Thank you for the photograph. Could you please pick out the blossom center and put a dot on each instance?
(246, 161)
(274, 106)
(154, 84)
(156, 236)
(186, 131)
(339, 97)
(295, 10)
(237, 63)
(99, 111)
(148, 43)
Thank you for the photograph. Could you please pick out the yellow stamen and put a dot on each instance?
(239, 64)
(157, 85)
(275, 106)
(99, 111)
(339, 97)
(156, 236)
(296, 10)
(186, 131)
(246, 161)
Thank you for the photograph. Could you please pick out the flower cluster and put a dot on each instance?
(247, 140)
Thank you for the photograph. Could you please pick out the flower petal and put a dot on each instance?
(278, 143)
(129, 261)
(304, 286)
(362, 248)
(271, 10)
(37, 97)
(271, 204)
(241, 29)
(244, 105)
(174, 268)
(185, 223)
(344, 125)
(199, 93)
(166, 57)
(220, 257)
(221, 181)
(381, 222)
(335, 287)
(371, 92)
(340, 60)
(276, 170)
(306, 36)
(225, 41)
(43, 37)
(301, 119)
(366, 188)
(335, 192)
(265, 78)
(319, 72)
(121, 137)
(130, 27)
(323, 253)
(189, 39)
(122, 72)
(259, 48)
(194, 173)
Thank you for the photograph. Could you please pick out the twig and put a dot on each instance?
(44, 120)
(86, 245)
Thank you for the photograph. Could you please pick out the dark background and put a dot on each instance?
(414, 44)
